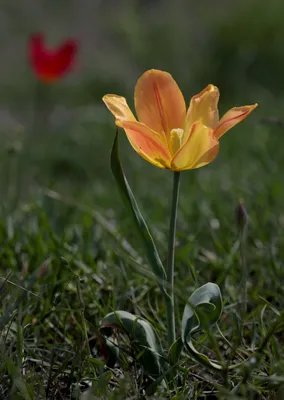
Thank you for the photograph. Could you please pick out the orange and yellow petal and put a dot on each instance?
(204, 107)
(197, 150)
(118, 106)
(209, 156)
(232, 118)
(147, 143)
(159, 102)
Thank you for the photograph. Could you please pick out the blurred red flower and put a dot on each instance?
(50, 65)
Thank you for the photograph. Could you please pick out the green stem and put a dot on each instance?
(244, 271)
(42, 108)
(170, 266)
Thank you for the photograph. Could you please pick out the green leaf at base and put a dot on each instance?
(141, 334)
(203, 309)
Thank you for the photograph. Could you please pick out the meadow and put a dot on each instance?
(69, 250)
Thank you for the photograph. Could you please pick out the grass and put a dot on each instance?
(69, 254)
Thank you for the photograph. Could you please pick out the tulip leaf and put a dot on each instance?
(203, 309)
(143, 338)
(175, 351)
(129, 199)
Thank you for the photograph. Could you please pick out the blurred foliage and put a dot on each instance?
(235, 45)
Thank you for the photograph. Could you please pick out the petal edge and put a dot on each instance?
(118, 106)
(159, 102)
(147, 143)
(232, 118)
(204, 107)
(197, 150)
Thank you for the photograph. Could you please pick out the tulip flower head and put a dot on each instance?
(166, 134)
(51, 65)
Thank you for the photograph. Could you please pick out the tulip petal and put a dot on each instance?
(37, 52)
(63, 58)
(118, 106)
(209, 156)
(203, 107)
(232, 118)
(50, 65)
(147, 143)
(199, 149)
(159, 102)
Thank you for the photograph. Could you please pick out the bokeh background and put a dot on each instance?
(61, 213)
(234, 45)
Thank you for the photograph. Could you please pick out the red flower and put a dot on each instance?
(51, 65)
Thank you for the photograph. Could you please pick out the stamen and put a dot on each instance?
(175, 140)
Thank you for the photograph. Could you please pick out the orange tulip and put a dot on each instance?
(167, 135)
